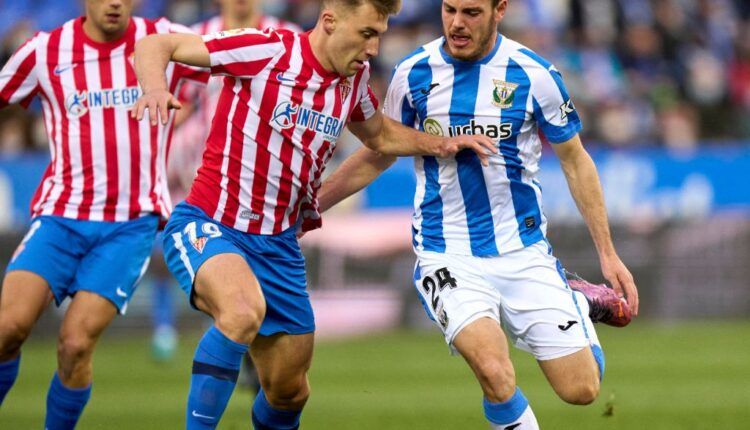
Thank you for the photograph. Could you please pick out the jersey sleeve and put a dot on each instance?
(397, 104)
(18, 78)
(196, 75)
(242, 53)
(554, 111)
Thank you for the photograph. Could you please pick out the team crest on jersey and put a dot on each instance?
(345, 87)
(503, 94)
(433, 127)
(199, 243)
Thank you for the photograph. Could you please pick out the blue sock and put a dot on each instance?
(506, 412)
(216, 366)
(64, 405)
(162, 310)
(266, 417)
(8, 375)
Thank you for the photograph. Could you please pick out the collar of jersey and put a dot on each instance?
(309, 56)
(105, 45)
(484, 60)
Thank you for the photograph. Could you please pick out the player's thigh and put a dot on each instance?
(25, 295)
(226, 284)
(117, 259)
(484, 346)
(282, 361)
(574, 377)
(208, 264)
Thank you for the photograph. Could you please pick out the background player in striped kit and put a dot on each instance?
(232, 244)
(479, 232)
(96, 211)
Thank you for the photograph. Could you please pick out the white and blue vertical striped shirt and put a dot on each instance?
(461, 207)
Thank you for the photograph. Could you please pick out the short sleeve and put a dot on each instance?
(18, 78)
(397, 104)
(554, 111)
(242, 53)
(366, 106)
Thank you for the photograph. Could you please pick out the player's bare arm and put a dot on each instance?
(389, 137)
(152, 54)
(355, 173)
(583, 181)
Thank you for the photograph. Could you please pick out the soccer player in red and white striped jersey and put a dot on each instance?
(97, 209)
(232, 244)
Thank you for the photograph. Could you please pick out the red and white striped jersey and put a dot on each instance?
(275, 127)
(190, 136)
(105, 166)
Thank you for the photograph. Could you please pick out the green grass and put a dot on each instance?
(692, 376)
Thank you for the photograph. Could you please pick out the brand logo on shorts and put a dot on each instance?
(199, 243)
(566, 327)
(512, 426)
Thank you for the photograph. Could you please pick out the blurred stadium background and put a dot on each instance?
(663, 88)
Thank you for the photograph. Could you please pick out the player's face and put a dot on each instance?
(470, 27)
(111, 17)
(238, 8)
(355, 38)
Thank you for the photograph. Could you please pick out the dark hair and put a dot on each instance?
(384, 7)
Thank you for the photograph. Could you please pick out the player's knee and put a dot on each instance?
(290, 396)
(498, 380)
(583, 392)
(12, 336)
(241, 323)
(74, 347)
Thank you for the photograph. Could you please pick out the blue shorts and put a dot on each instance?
(105, 258)
(191, 238)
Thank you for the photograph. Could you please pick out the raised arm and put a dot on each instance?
(152, 54)
(583, 181)
(386, 136)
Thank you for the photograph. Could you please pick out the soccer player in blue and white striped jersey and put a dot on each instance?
(479, 232)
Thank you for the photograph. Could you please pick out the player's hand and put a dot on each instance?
(158, 103)
(481, 144)
(619, 277)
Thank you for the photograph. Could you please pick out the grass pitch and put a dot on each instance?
(666, 377)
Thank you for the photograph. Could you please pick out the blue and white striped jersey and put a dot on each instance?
(461, 207)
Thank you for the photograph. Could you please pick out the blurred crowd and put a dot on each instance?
(641, 72)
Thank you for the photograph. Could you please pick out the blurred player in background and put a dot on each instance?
(232, 244)
(479, 232)
(97, 209)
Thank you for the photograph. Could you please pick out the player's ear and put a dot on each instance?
(328, 18)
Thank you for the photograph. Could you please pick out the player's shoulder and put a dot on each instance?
(270, 21)
(524, 56)
(419, 55)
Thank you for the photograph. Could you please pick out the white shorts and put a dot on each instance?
(524, 291)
